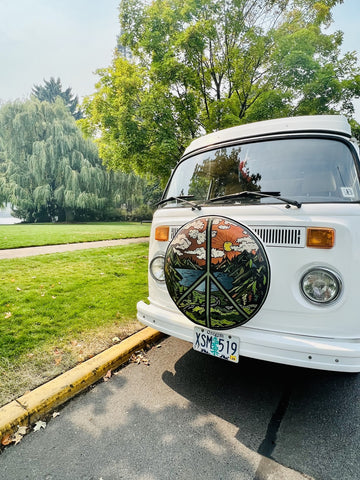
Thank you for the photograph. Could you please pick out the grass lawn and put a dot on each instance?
(59, 309)
(30, 235)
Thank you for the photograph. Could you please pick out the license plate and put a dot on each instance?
(217, 344)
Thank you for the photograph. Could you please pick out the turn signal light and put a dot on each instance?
(320, 237)
(162, 233)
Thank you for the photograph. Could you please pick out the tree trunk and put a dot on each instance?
(69, 215)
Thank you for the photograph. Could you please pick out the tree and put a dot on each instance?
(49, 171)
(203, 65)
(52, 89)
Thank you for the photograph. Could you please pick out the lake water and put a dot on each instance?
(190, 276)
(6, 218)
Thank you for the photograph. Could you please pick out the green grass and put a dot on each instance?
(50, 304)
(29, 235)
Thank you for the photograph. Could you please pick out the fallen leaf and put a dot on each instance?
(7, 439)
(22, 430)
(139, 357)
(39, 425)
(57, 360)
(17, 438)
(107, 376)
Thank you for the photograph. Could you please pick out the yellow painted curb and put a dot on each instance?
(31, 406)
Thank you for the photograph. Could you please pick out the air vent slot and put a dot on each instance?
(281, 236)
(272, 236)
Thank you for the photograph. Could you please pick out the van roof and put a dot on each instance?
(312, 123)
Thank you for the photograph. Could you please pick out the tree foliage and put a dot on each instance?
(201, 65)
(52, 89)
(48, 171)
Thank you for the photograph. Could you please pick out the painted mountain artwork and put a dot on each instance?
(217, 272)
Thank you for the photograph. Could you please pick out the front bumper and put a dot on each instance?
(342, 355)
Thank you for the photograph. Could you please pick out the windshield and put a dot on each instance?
(303, 169)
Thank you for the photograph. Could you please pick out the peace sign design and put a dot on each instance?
(217, 272)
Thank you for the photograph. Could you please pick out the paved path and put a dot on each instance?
(31, 251)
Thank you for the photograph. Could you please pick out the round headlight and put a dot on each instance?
(321, 285)
(157, 268)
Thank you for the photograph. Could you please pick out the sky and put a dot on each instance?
(71, 39)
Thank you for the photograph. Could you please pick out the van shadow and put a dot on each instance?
(297, 417)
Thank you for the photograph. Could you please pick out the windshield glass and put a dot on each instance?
(303, 169)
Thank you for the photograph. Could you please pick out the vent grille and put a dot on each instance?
(281, 236)
(173, 232)
(272, 236)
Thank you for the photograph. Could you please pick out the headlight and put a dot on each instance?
(320, 285)
(157, 268)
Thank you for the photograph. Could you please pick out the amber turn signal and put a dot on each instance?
(320, 237)
(162, 233)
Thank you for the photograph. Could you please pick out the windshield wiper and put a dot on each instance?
(235, 196)
(181, 199)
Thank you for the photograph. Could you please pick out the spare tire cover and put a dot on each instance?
(217, 272)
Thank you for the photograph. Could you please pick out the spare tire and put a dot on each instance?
(217, 272)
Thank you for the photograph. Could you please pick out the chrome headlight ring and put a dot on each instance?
(321, 286)
(157, 268)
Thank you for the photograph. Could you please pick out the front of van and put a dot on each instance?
(254, 246)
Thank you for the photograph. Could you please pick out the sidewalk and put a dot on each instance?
(67, 247)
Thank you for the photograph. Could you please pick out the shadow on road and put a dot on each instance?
(189, 416)
(305, 419)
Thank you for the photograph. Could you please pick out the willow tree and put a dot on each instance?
(48, 170)
(198, 66)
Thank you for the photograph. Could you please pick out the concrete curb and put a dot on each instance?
(28, 408)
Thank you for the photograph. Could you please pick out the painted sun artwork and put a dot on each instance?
(217, 272)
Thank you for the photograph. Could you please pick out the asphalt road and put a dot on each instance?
(189, 416)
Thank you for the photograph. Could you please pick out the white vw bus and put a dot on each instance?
(255, 246)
